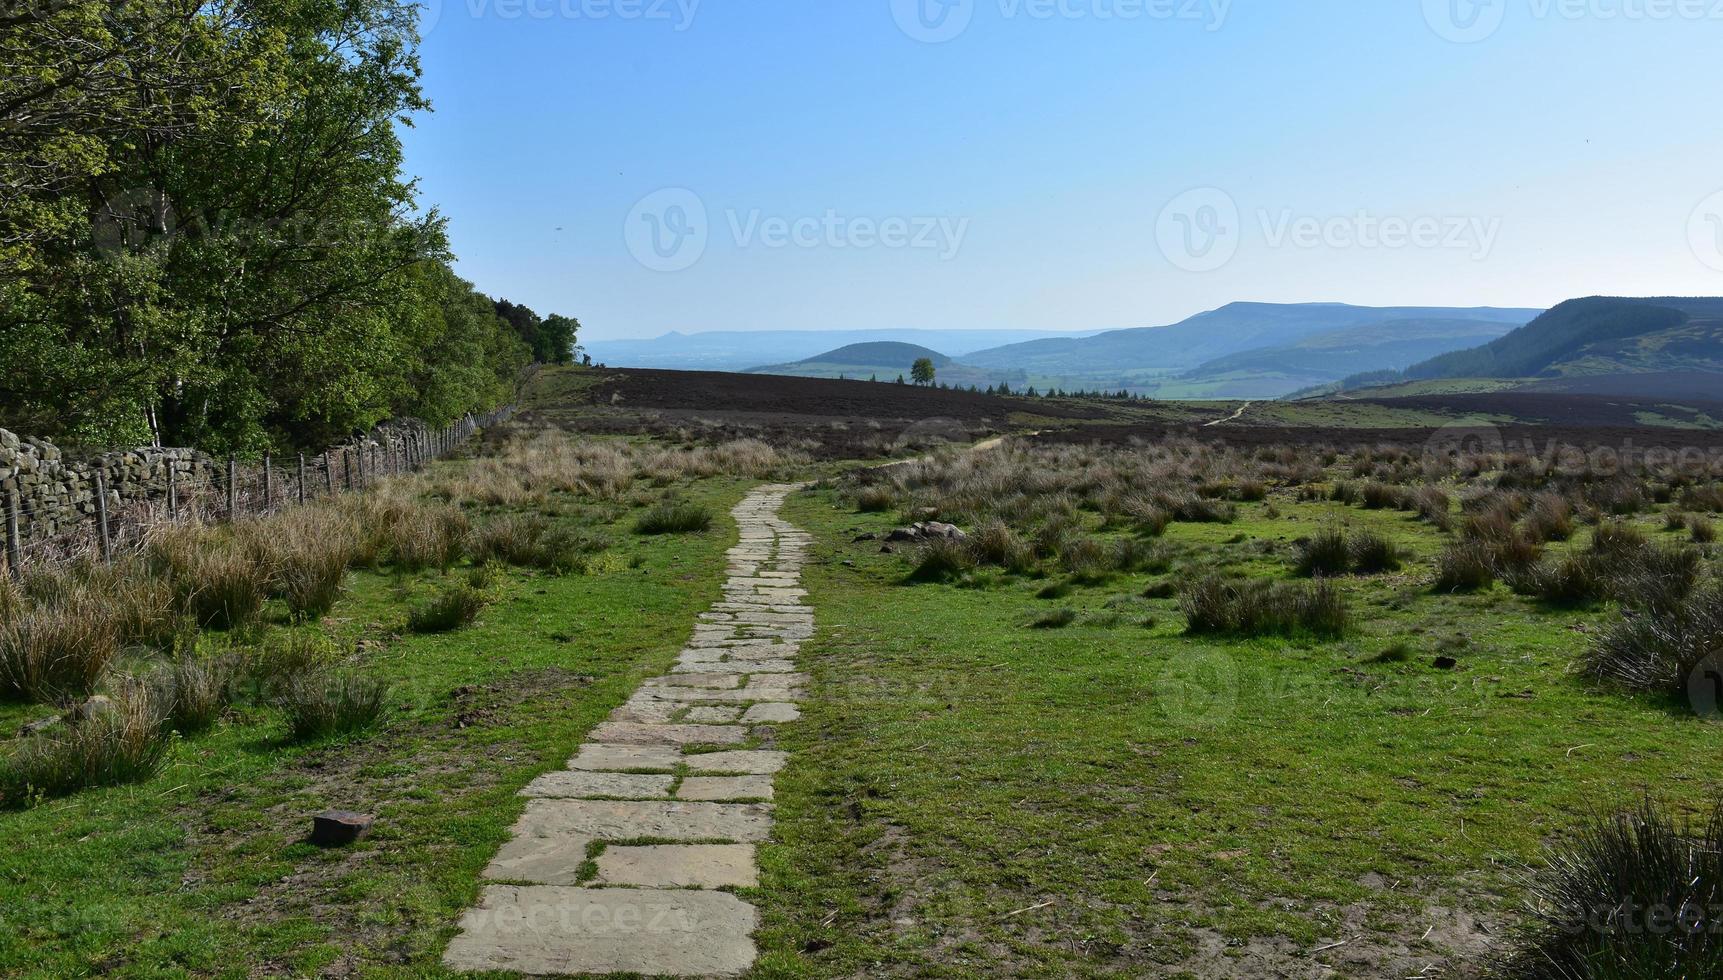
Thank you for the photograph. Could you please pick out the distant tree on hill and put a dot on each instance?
(900, 379)
(922, 371)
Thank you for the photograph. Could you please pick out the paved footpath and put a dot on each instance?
(672, 793)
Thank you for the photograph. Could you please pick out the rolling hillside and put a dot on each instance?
(1149, 358)
(739, 350)
(884, 361)
(1596, 336)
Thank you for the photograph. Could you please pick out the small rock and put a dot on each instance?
(99, 704)
(948, 531)
(1446, 663)
(336, 828)
(38, 726)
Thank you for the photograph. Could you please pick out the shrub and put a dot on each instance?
(1056, 620)
(876, 500)
(1550, 519)
(531, 541)
(1433, 505)
(333, 704)
(1701, 530)
(123, 744)
(217, 582)
(1373, 554)
(57, 652)
(454, 607)
(1257, 608)
(1657, 579)
(1327, 553)
(1576, 580)
(1618, 540)
(1659, 651)
(192, 693)
(1597, 889)
(285, 658)
(1465, 566)
(1381, 496)
(993, 543)
(674, 517)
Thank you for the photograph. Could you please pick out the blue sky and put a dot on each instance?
(1067, 164)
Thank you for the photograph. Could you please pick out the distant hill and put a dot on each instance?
(1152, 358)
(884, 360)
(1599, 335)
(1390, 345)
(738, 350)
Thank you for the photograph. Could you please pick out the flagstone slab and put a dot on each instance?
(547, 931)
(623, 758)
(630, 733)
(679, 866)
(772, 712)
(720, 788)
(623, 820)
(759, 762)
(578, 784)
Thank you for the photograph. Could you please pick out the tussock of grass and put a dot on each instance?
(456, 606)
(1659, 651)
(323, 706)
(192, 693)
(674, 517)
(1239, 607)
(532, 541)
(1632, 896)
(1058, 619)
(123, 744)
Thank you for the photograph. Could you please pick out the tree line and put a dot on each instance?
(206, 237)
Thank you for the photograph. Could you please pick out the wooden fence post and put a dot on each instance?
(328, 473)
(302, 478)
(268, 483)
(347, 468)
(102, 516)
(14, 549)
(173, 491)
(359, 466)
(232, 488)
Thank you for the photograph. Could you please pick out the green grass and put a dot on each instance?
(967, 797)
(203, 869)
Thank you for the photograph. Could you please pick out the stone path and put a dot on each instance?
(619, 863)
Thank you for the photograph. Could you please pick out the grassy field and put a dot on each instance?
(973, 796)
(204, 870)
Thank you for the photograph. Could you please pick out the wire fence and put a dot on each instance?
(210, 491)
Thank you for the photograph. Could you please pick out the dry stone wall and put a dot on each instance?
(57, 494)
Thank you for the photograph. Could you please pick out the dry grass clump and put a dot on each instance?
(674, 517)
(1701, 530)
(307, 551)
(532, 465)
(533, 541)
(284, 657)
(1466, 566)
(123, 743)
(192, 693)
(1630, 896)
(876, 500)
(326, 705)
(1658, 651)
(994, 543)
(944, 559)
(1251, 607)
(455, 606)
(58, 651)
(1550, 518)
(1433, 505)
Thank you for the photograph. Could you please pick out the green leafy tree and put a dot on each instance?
(922, 371)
